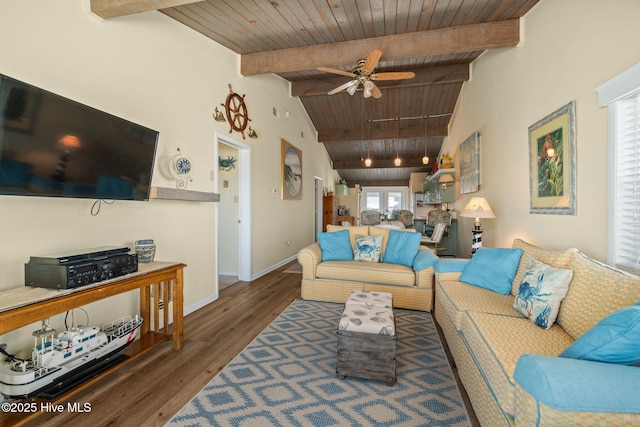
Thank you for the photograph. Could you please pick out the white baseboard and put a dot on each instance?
(273, 267)
(201, 303)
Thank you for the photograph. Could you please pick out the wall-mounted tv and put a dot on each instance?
(53, 146)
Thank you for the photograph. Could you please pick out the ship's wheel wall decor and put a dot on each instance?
(236, 112)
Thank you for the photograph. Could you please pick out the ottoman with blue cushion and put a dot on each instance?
(367, 337)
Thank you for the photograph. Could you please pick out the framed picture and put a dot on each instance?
(470, 164)
(291, 175)
(552, 163)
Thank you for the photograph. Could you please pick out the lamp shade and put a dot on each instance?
(477, 208)
(446, 179)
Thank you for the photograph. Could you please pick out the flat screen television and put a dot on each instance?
(53, 146)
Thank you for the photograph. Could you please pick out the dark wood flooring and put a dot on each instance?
(151, 389)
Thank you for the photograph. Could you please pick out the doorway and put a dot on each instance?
(236, 216)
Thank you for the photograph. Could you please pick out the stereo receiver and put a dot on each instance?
(72, 270)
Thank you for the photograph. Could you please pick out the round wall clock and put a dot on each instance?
(179, 167)
(236, 112)
(183, 165)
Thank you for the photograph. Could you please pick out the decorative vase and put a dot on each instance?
(146, 250)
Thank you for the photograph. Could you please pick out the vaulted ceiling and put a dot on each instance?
(435, 39)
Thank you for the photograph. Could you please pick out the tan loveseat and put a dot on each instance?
(333, 281)
(510, 367)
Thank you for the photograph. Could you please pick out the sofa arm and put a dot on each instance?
(557, 388)
(451, 265)
(424, 259)
(309, 257)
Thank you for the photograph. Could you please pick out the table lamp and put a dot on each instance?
(477, 208)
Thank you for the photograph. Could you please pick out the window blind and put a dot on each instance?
(627, 183)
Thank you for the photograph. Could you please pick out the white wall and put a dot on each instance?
(152, 70)
(567, 49)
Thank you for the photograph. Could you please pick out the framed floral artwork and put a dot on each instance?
(552, 163)
(291, 171)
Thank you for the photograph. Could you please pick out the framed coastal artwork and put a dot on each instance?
(552, 163)
(470, 164)
(291, 171)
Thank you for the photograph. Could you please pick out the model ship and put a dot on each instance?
(58, 364)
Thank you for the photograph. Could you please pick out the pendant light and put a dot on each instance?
(397, 161)
(425, 159)
(367, 161)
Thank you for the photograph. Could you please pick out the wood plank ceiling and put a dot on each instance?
(436, 39)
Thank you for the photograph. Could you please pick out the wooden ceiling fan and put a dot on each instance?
(363, 76)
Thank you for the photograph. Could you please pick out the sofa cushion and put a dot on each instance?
(541, 292)
(496, 342)
(402, 247)
(335, 246)
(353, 232)
(356, 271)
(596, 291)
(368, 248)
(615, 339)
(558, 259)
(492, 268)
(457, 298)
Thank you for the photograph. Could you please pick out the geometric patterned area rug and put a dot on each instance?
(287, 377)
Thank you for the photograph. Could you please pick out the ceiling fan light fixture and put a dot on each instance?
(352, 89)
(367, 93)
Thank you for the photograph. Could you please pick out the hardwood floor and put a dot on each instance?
(151, 389)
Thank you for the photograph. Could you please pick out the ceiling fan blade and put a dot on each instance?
(376, 92)
(335, 71)
(342, 87)
(371, 61)
(399, 75)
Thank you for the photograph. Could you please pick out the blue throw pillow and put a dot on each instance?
(402, 247)
(615, 339)
(492, 268)
(335, 246)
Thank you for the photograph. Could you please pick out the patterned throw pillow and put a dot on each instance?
(368, 248)
(541, 291)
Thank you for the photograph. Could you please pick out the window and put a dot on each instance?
(373, 200)
(626, 175)
(385, 199)
(622, 96)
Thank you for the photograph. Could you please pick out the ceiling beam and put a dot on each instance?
(461, 39)
(435, 131)
(425, 76)
(107, 9)
(378, 183)
(379, 164)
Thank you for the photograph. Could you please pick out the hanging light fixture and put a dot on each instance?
(367, 161)
(425, 159)
(368, 87)
(397, 161)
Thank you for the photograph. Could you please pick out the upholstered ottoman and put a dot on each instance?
(367, 337)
